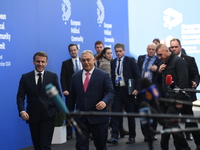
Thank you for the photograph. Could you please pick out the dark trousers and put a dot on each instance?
(187, 110)
(179, 139)
(144, 129)
(99, 132)
(122, 98)
(41, 134)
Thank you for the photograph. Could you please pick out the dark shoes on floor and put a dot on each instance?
(69, 137)
(123, 133)
(198, 147)
(112, 141)
(130, 141)
(189, 137)
(154, 138)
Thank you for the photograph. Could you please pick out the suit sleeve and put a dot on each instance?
(194, 71)
(109, 90)
(136, 73)
(63, 75)
(21, 95)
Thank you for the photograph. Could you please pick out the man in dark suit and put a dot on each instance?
(69, 67)
(91, 90)
(123, 68)
(177, 68)
(148, 65)
(41, 111)
(193, 82)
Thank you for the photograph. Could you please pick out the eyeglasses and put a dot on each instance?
(159, 55)
(174, 47)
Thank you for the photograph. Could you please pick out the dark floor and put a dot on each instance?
(139, 145)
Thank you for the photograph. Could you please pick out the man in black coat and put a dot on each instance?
(69, 67)
(177, 68)
(193, 82)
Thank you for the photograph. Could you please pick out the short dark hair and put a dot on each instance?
(72, 45)
(41, 53)
(157, 40)
(176, 39)
(102, 52)
(98, 42)
(119, 45)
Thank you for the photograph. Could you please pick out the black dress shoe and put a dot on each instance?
(146, 139)
(123, 133)
(155, 138)
(189, 137)
(198, 147)
(130, 141)
(112, 141)
(69, 137)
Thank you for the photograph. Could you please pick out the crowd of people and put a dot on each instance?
(97, 82)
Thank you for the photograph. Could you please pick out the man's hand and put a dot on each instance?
(162, 67)
(24, 115)
(135, 92)
(194, 85)
(179, 105)
(154, 68)
(101, 105)
(66, 93)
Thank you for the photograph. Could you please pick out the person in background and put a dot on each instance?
(123, 68)
(99, 46)
(156, 41)
(69, 67)
(148, 65)
(177, 68)
(104, 59)
(41, 111)
(193, 82)
(91, 90)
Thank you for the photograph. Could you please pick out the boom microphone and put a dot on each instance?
(173, 87)
(150, 94)
(52, 92)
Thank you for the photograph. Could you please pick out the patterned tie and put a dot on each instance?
(85, 85)
(39, 83)
(147, 64)
(118, 66)
(76, 63)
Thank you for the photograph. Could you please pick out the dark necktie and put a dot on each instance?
(147, 64)
(39, 83)
(76, 63)
(118, 66)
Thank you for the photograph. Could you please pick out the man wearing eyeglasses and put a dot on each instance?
(177, 68)
(193, 82)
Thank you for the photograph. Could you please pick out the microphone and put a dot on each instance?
(145, 110)
(53, 93)
(150, 94)
(173, 88)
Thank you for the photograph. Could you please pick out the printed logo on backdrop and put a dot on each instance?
(66, 8)
(107, 27)
(172, 18)
(100, 12)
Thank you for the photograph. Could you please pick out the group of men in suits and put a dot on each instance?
(88, 88)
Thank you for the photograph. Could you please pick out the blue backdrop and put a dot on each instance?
(28, 26)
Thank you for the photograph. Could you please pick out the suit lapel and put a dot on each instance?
(32, 79)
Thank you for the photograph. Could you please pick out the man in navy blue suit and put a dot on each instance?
(41, 111)
(91, 90)
(124, 68)
(148, 65)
